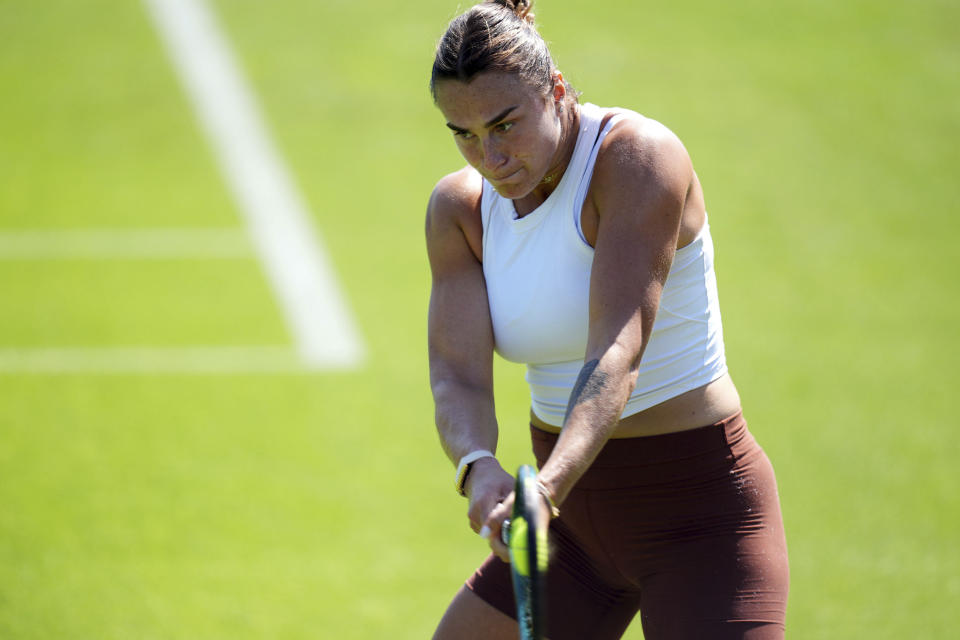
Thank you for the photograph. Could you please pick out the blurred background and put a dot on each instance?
(171, 468)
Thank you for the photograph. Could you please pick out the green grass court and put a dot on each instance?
(297, 504)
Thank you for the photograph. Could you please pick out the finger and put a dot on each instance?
(492, 529)
(499, 548)
(492, 524)
(495, 540)
(480, 516)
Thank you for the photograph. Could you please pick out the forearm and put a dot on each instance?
(466, 422)
(465, 418)
(595, 406)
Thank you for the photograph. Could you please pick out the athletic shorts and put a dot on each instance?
(683, 527)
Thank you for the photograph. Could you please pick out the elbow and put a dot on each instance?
(623, 356)
(448, 388)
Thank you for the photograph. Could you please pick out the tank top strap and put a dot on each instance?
(586, 176)
(590, 117)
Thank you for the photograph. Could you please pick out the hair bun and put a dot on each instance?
(520, 8)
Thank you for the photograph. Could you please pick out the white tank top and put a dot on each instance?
(537, 271)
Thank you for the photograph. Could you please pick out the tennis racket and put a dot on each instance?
(527, 541)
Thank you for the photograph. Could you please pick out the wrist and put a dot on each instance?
(465, 466)
(547, 495)
(552, 485)
(480, 475)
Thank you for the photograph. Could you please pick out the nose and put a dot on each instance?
(493, 155)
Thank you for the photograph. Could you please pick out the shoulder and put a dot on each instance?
(456, 193)
(453, 212)
(644, 152)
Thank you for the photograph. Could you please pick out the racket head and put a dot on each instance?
(528, 554)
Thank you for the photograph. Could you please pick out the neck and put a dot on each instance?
(569, 125)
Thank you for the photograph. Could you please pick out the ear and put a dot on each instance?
(559, 88)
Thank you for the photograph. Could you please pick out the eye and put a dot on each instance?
(463, 135)
(503, 127)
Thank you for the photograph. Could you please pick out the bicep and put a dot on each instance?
(460, 333)
(641, 185)
(459, 330)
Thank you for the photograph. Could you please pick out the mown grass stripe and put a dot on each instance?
(276, 215)
(124, 244)
(126, 360)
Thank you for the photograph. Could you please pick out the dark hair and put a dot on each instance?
(496, 35)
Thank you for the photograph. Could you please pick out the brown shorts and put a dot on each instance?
(684, 528)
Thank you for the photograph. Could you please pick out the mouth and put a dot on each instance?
(504, 177)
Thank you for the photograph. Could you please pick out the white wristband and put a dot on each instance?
(464, 467)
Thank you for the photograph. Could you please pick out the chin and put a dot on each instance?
(512, 191)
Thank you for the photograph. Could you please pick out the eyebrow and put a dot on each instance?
(497, 118)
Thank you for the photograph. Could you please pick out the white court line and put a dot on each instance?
(140, 244)
(276, 216)
(124, 244)
(204, 359)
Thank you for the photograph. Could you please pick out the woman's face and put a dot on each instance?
(506, 129)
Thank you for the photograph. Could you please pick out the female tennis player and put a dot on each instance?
(576, 241)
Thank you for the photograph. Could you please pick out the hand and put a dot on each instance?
(490, 490)
(492, 528)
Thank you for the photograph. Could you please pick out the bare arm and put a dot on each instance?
(460, 337)
(639, 189)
